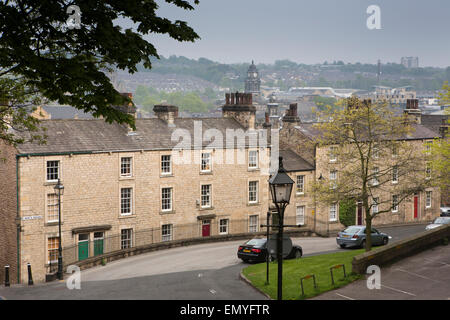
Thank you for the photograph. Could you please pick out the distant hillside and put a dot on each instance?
(285, 74)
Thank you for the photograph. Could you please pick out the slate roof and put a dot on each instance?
(76, 135)
(419, 132)
(293, 162)
(66, 112)
(433, 121)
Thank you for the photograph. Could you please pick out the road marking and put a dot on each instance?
(417, 275)
(411, 294)
(212, 291)
(341, 295)
(445, 264)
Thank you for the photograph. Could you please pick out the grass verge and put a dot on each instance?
(294, 270)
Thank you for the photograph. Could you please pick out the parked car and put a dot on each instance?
(438, 222)
(255, 250)
(355, 236)
(445, 211)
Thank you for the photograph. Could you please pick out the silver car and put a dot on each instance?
(355, 236)
(438, 222)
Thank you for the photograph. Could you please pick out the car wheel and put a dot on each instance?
(245, 260)
(385, 241)
(363, 244)
(298, 254)
(342, 246)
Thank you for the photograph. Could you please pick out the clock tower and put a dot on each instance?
(252, 83)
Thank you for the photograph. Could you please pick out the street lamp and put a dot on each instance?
(280, 188)
(59, 188)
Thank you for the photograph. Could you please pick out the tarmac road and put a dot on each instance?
(198, 272)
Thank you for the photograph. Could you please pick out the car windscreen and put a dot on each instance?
(442, 220)
(256, 242)
(352, 230)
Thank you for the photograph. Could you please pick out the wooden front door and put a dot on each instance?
(416, 206)
(359, 214)
(98, 243)
(206, 228)
(83, 246)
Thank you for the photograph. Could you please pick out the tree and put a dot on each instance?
(440, 150)
(67, 64)
(17, 101)
(368, 143)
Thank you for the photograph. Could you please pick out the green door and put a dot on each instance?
(83, 246)
(98, 243)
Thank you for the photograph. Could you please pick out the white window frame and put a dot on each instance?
(206, 194)
(395, 203)
(375, 204)
(298, 221)
(253, 161)
(253, 226)
(164, 164)
(333, 212)
(52, 208)
(226, 225)
(332, 153)
(302, 184)
(333, 179)
(209, 163)
(123, 199)
(130, 174)
(395, 174)
(256, 183)
(375, 173)
(166, 232)
(58, 170)
(128, 240)
(428, 199)
(428, 171)
(55, 250)
(163, 199)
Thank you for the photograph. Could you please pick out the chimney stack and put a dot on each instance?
(292, 114)
(166, 112)
(240, 107)
(412, 110)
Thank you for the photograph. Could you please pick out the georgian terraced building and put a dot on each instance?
(169, 179)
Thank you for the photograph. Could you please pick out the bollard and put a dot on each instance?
(7, 276)
(337, 267)
(308, 277)
(30, 276)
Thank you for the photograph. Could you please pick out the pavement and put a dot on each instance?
(424, 276)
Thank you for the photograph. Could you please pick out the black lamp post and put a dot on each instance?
(280, 188)
(59, 188)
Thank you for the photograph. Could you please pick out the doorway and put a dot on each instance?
(206, 228)
(83, 246)
(359, 214)
(416, 206)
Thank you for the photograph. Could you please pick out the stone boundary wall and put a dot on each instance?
(120, 254)
(401, 249)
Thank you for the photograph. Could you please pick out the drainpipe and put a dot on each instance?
(18, 224)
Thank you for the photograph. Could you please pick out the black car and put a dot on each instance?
(255, 250)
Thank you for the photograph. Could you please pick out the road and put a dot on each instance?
(198, 272)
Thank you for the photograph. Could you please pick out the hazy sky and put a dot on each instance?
(312, 31)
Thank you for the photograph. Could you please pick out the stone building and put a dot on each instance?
(301, 138)
(172, 178)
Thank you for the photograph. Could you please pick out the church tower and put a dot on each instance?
(252, 83)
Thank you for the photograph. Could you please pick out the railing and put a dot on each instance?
(143, 237)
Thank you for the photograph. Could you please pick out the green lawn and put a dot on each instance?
(294, 270)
